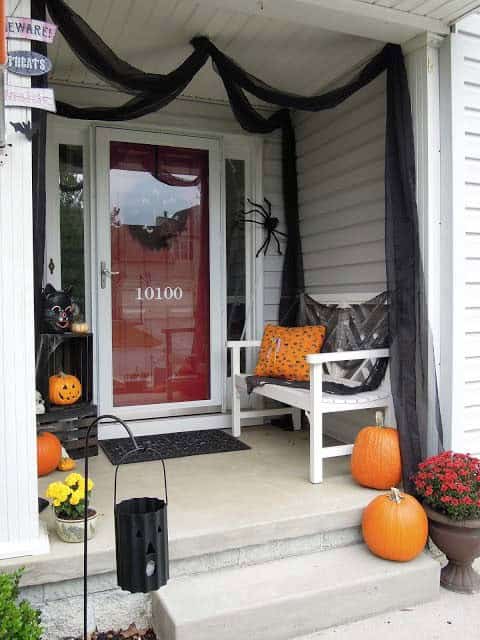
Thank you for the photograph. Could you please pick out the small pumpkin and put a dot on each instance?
(49, 452)
(376, 461)
(66, 464)
(80, 327)
(64, 389)
(395, 526)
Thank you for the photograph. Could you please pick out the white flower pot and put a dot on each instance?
(73, 530)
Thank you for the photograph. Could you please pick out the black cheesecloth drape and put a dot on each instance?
(39, 123)
(150, 92)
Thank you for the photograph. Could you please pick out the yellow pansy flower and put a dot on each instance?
(75, 498)
(58, 492)
(72, 490)
(73, 479)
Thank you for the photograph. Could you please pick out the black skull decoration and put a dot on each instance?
(58, 309)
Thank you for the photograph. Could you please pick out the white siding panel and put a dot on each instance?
(470, 42)
(341, 162)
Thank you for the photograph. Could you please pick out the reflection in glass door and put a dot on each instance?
(160, 274)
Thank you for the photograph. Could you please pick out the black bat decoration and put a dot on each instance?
(26, 128)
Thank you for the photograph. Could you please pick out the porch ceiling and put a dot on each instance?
(154, 36)
(446, 11)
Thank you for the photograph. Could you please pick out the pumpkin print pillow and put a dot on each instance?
(284, 349)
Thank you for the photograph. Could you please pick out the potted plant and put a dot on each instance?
(68, 500)
(449, 485)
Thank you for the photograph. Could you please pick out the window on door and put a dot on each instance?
(65, 249)
(235, 198)
(235, 247)
(160, 270)
(72, 221)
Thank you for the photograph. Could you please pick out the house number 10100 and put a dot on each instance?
(160, 293)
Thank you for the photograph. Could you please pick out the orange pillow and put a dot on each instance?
(283, 350)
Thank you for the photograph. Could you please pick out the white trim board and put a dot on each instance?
(452, 274)
(173, 425)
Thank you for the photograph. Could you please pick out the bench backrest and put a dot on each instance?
(344, 299)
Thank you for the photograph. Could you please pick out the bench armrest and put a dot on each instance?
(339, 356)
(239, 344)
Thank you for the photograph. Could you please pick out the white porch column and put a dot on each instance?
(453, 266)
(422, 63)
(19, 522)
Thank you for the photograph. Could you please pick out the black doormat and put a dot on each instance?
(173, 445)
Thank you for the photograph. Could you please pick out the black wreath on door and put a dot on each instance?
(159, 236)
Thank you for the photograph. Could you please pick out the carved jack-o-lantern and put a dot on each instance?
(64, 389)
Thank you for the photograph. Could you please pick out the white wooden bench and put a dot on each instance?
(313, 401)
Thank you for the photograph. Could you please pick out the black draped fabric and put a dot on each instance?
(404, 272)
(151, 91)
(39, 141)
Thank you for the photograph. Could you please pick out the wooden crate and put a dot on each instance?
(72, 434)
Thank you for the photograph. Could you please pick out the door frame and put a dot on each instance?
(101, 136)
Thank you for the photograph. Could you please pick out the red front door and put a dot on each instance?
(160, 265)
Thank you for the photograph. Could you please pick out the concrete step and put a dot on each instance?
(333, 521)
(291, 597)
(263, 543)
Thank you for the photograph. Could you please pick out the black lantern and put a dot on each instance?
(141, 533)
(141, 538)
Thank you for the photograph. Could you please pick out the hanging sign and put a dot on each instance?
(28, 29)
(28, 63)
(29, 97)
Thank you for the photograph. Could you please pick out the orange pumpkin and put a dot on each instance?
(49, 452)
(395, 526)
(376, 460)
(66, 464)
(80, 327)
(64, 388)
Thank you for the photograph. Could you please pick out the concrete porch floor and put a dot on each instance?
(217, 503)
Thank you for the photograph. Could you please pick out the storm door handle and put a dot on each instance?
(104, 272)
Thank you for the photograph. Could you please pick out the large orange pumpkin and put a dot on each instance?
(395, 526)
(376, 460)
(64, 388)
(49, 452)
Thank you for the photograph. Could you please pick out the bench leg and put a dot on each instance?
(236, 425)
(297, 419)
(316, 448)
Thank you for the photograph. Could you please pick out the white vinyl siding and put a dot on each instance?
(469, 31)
(341, 160)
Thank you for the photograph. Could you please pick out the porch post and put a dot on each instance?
(453, 230)
(422, 63)
(20, 533)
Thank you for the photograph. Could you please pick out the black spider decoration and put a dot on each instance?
(268, 222)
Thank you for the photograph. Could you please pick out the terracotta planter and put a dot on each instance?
(72, 530)
(460, 542)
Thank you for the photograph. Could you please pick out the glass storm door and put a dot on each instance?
(158, 277)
